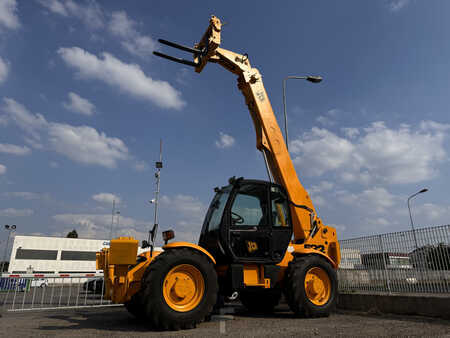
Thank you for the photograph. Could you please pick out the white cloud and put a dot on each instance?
(134, 42)
(4, 70)
(89, 13)
(105, 197)
(225, 141)
(55, 6)
(433, 212)
(11, 212)
(54, 164)
(182, 76)
(129, 78)
(26, 195)
(320, 151)
(81, 144)
(141, 166)
(374, 201)
(8, 14)
(2, 169)
(118, 24)
(316, 192)
(325, 121)
(396, 5)
(77, 104)
(187, 205)
(3, 120)
(321, 187)
(380, 154)
(86, 145)
(23, 118)
(14, 150)
(338, 227)
(36, 144)
(188, 213)
(328, 119)
(99, 225)
(431, 126)
(350, 132)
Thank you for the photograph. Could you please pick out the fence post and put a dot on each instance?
(386, 274)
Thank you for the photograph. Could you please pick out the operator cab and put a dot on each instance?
(248, 221)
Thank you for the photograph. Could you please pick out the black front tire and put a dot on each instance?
(158, 313)
(295, 292)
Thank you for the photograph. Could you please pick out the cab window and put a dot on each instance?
(280, 207)
(216, 209)
(250, 206)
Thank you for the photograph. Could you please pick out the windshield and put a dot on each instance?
(214, 215)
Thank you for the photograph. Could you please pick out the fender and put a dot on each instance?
(300, 249)
(176, 245)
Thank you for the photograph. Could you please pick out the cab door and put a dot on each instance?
(249, 234)
(281, 224)
(260, 225)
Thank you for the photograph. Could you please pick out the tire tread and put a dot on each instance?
(167, 319)
(294, 289)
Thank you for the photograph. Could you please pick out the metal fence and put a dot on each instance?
(51, 291)
(400, 262)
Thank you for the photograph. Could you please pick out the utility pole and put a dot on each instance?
(112, 219)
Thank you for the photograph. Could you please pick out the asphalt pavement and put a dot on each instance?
(235, 322)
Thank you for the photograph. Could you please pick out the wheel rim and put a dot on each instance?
(183, 287)
(317, 286)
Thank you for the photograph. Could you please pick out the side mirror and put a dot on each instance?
(168, 235)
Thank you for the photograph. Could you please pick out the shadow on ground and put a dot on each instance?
(116, 320)
(109, 319)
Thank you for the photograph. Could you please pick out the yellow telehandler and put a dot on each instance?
(259, 238)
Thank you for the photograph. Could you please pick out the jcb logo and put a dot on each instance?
(251, 246)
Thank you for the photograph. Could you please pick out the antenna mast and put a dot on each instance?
(152, 233)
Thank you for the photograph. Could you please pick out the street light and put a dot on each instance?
(312, 79)
(410, 216)
(9, 228)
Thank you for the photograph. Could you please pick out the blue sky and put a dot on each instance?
(83, 105)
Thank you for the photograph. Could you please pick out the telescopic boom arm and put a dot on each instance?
(269, 139)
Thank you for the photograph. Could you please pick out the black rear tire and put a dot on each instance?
(260, 301)
(295, 292)
(157, 312)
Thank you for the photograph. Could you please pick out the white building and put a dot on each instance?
(35, 254)
(350, 258)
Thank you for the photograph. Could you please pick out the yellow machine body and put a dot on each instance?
(123, 272)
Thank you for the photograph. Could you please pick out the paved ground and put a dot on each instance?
(117, 322)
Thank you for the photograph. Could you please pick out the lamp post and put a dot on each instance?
(118, 217)
(9, 228)
(410, 216)
(312, 79)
